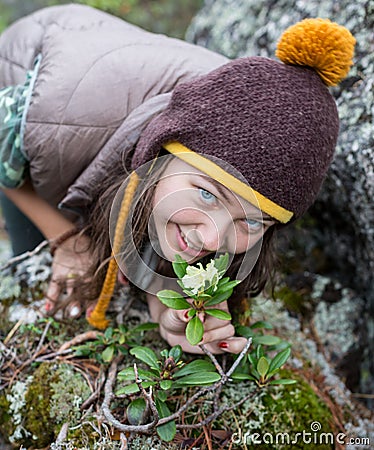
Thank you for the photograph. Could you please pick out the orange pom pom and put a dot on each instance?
(321, 44)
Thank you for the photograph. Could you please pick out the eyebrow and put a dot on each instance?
(221, 189)
(217, 185)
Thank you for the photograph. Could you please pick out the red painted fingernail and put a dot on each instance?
(223, 345)
(186, 316)
(48, 306)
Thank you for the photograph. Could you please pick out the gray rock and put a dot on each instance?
(339, 228)
(345, 209)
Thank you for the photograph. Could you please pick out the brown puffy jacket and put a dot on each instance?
(99, 82)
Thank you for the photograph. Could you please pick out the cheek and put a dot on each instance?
(245, 242)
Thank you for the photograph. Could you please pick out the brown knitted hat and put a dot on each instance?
(275, 123)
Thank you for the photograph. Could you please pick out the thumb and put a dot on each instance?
(174, 320)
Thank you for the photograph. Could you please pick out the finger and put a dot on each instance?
(122, 279)
(231, 345)
(74, 310)
(52, 295)
(175, 339)
(218, 334)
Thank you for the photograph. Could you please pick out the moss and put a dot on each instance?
(52, 397)
(292, 300)
(292, 409)
(36, 417)
(6, 426)
(69, 392)
(273, 411)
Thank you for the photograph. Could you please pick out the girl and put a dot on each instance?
(216, 154)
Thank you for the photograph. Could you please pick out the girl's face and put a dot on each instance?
(194, 215)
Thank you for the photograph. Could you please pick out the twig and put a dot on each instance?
(94, 395)
(207, 438)
(147, 396)
(7, 351)
(52, 355)
(45, 331)
(108, 394)
(25, 255)
(12, 331)
(123, 439)
(239, 358)
(27, 363)
(62, 435)
(217, 413)
(87, 336)
(214, 360)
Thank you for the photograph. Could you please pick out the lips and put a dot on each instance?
(186, 248)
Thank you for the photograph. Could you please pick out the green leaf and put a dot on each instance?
(172, 299)
(259, 351)
(129, 389)
(108, 333)
(108, 353)
(262, 324)
(219, 314)
(283, 381)
(146, 355)
(252, 359)
(223, 281)
(179, 266)
(175, 353)
(167, 431)
(242, 376)
(194, 330)
(244, 331)
(262, 366)
(279, 359)
(198, 379)
(221, 264)
(129, 374)
(161, 395)
(136, 411)
(192, 312)
(272, 373)
(227, 286)
(266, 339)
(83, 350)
(166, 384)
(218, 298)
(144, 327)
(126, 374)
(198, 365)
(164, 353)
(147, 384)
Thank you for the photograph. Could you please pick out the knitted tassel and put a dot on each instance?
(321, 44)
(97, 317)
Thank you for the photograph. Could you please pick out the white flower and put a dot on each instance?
(200, 279)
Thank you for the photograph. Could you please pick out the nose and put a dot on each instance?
(214, 235)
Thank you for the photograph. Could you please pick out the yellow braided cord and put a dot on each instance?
(97, 318)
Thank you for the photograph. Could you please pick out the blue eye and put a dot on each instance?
(207, 196)
(253, 224)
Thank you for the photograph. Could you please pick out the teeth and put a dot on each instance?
(188, 243)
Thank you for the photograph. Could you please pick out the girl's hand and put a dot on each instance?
(70, 263)
(218, 335)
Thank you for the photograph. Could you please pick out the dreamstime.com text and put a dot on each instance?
(313, 436)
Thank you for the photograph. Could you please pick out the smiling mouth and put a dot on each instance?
(187, 246)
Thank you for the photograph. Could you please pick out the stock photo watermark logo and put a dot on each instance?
(314, 436)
